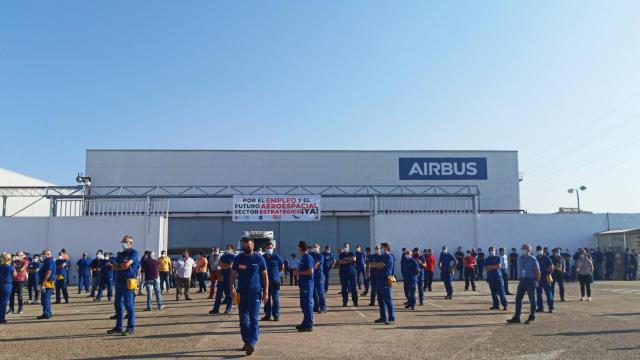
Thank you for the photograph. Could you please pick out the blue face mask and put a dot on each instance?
(125, 246)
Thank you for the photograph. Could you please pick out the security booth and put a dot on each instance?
(619, 241)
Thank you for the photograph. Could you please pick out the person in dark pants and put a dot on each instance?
(544, 285)
(469, 271)
(584, 271)
(347, 261)
(371, 258)
(95, 273)
(429, 269)
(34, 280)
(275, 266)
(529, 275)
(225, 262)
(609, 258)
(21, 265)
(494, 278)
(329, 263)
(383, 268)
(251, 270)
(504, 269)
(447, 265)
(566, 255)
(62, 272)
(480, 264)
(360, 260)
(319, 301)
(84, 273)
(460, 259)
(559, 269)
(126, 267)
(513, 264)
(304, 272)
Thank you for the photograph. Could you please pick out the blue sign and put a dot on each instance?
(443, 168)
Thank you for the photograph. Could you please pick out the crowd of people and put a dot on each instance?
(249, 278)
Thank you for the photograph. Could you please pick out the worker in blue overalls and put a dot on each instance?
(546, 269)
(304, 272)
(347, 261)
(251, 270)
(84, 273)
(494, 278)
(329, 263)
(126, 266)
(106, 277)
(371, 256)
(62, 273)
(33, 282)
(421, 261)
(383, 268)
(275, 267)
(360, 269)
(410, 276)
(319, 302)
(223, 286)
(47, 275)
(447, 265)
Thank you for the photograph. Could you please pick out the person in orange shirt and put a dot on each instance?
(201, 272)
(469, 271)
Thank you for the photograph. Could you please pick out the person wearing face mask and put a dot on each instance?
(347, 261)
(62, 272)
(21, 265)
(429, 268)
(360, 262)
(382, 266)
(469, 271)
(559, 269)
(224, 264)
(513, 264)
(95, 273)
(504, 269)
(494, 278)
(546, 269)
(447, 264)
(584, 271)
(164, 269)
(126, 265)
(371, 258)
(202, 268)
(460, 259)
(319, 301)
(329, 263)
(251, 271)
(47, 280)
(421, 263)
(105, 269)
(152, 280)
(34, 280)
(184, 268)
(306, 285)
(275, 266)
(214, 257)
(412, 268)
(403, 270)
(529, 276)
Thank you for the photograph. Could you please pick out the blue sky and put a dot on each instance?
(557, 81)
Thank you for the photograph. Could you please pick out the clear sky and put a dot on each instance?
(559, 81)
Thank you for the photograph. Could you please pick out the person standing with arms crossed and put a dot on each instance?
(529, 276)
(382, 267)
(126, 266)
(447, 265)
(347, 261)
(319, 301)
(251, 271)
(329, 263)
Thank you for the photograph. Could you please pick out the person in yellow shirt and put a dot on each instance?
(201, 272)
(164, 268)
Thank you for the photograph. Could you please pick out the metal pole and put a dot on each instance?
(578, 196)
(4, 206)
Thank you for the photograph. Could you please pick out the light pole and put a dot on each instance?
(577, 191)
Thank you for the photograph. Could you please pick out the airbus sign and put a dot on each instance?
(443, 168)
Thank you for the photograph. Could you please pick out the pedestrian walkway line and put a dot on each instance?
(358, 312)
(436, 305)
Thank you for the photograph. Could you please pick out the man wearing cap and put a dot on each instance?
(84, 271)
(126, 266)
(529, 274)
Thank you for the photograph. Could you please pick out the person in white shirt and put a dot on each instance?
(504, 267)
(184, 268)
(293, 264)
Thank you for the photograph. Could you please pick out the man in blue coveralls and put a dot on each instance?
(371, 258)
(319, 301)
(251, 271)
(546, 269)
(360, 260)
(105, 266)
(382, 267)
(62, 273)
(304, 272)
(347, 261)
(410, 278)
(529, 276)
(329, 262)
(47, 275)
(494, 278)
(223, 286)
(33, 282)
(126, 266)
(84, 272)
(447, 265)
(367, 280)
(275, 266)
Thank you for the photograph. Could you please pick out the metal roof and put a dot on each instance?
(621, 231)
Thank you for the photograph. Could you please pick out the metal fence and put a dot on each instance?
(110, 207)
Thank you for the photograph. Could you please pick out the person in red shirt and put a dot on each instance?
(21, 264)
(429, 268)
(469, 271)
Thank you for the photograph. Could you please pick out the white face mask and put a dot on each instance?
(358, 250)
(345, 249)
(582, 256)
(59, 257)
(408, 257)
(540, 252)
(316, 250)
(378, 251)
(492, 253)
(230, 251)
(328, 251)
(445, 251)
(269, 251)
(524, 252)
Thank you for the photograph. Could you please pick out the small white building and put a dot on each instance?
(22, 206)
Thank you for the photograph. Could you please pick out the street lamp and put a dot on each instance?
(577, 191)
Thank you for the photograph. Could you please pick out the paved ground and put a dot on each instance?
(462, 328)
